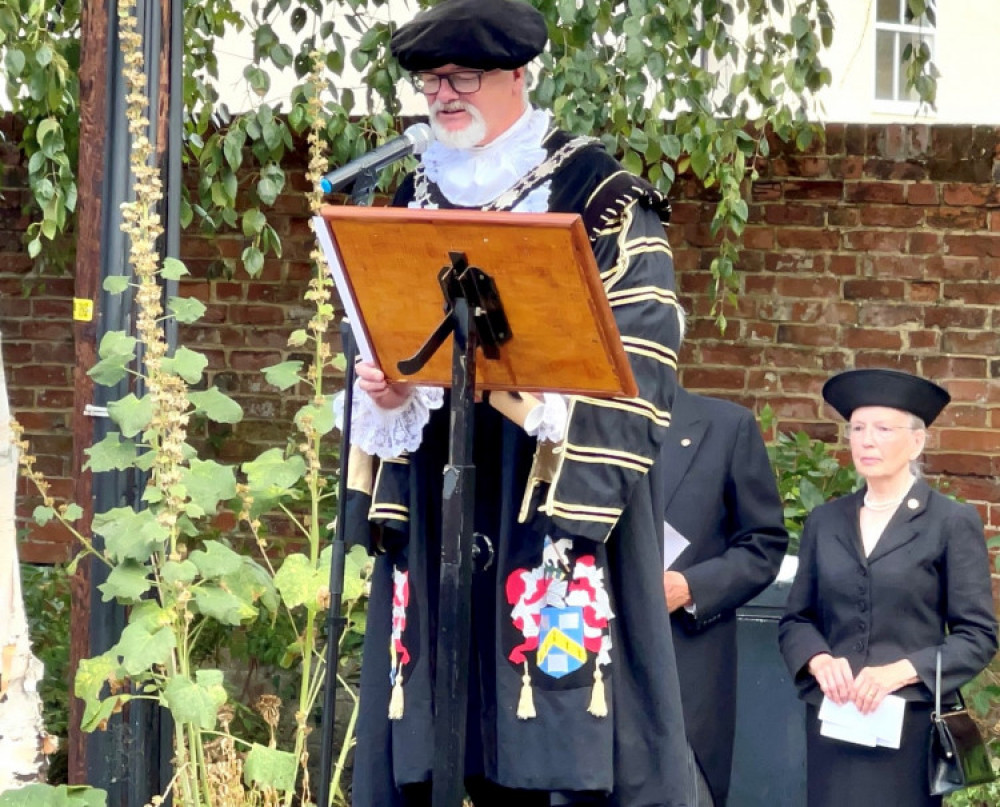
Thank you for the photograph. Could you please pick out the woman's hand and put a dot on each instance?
(874, 683)
(834, 677)
(372, 380)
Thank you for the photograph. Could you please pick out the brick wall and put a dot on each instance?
(880, 247)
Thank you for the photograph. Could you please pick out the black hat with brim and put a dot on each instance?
(895, 389)
(482, 34)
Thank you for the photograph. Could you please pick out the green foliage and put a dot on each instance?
(808, 474)
(49, 796)
(642, 75)
(46, 593)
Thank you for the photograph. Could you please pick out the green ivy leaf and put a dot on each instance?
(174, 571)
(216, 406)
(299, 582)
(196, 702)
(269, 767)
(111, 454)
(223, 606)
(319, 415)
(186, 309)
(130, 534)
(126, 582)
(216, 560)
(42, 515)
(173, 269)
(116, 352)
(115, 284)
(141, 649)
(284, 375)
(131, 414)
(272, 473)
(208, 482)
(40, 795)
(186, 363)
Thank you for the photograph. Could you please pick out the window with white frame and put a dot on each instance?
(896, 29)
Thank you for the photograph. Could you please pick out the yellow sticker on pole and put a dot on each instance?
(83, 310)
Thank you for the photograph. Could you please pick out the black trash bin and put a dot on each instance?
(769, 758)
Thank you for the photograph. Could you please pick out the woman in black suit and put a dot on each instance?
(887, 577)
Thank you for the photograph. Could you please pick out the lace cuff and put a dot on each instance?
(547, 421)
(388, 433)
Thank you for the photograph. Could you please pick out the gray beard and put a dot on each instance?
(472, 135)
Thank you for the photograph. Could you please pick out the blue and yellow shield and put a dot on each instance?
(560, 641)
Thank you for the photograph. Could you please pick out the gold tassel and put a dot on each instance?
(526, 704)
(598, 703)
(396, 701)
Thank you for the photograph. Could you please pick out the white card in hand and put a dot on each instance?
(673, 544)
(884, 725)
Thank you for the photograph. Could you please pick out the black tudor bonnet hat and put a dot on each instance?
(482, 34)
(852, 389)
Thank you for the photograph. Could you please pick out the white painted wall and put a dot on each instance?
(967, 55)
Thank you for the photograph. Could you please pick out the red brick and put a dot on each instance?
(923, 193)
(951, 218)
(843, 217)
(843, 265)
(952, 316)
(951, 367)
(924, 292)
(875, 192)
(873, 289)
(975, 440)
(968, 195)
(967, 415)
(705, 378)
(875, 241)
(924, 340)
(801, 215)
(924, 243)
(815, 335)
(816, 240)
(964, 342)
(960, 463)
(872, 338)
(972, 293)
(977, 245)
(891, 216)
(889, 315)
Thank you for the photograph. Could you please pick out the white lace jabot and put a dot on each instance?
(474, 177)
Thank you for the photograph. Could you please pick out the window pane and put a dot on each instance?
(885, 64)
(888, 10)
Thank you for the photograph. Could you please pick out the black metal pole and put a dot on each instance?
(335, 619)
(451, 682)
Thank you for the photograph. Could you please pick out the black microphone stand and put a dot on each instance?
(361, 194)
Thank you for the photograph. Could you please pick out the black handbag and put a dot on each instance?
(958, 755)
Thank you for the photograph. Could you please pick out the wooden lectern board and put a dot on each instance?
(564, 335)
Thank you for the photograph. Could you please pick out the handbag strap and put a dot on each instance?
(937, 684)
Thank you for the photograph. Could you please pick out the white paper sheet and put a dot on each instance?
(340, 281)
(673, 544)
(882, 727)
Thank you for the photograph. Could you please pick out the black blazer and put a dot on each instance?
(721, 495)
(926, 585)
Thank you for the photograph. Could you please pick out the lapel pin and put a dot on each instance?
(686, 442)
(913, 504)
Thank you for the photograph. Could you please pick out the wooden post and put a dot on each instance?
(94, 81)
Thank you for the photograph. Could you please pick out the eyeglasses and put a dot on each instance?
(464, 82)
(880, 432)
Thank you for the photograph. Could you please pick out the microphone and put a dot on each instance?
(414, 140)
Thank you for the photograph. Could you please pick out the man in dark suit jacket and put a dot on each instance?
(722, 497)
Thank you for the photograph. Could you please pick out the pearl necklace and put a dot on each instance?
(888, 504)
(880, 506)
